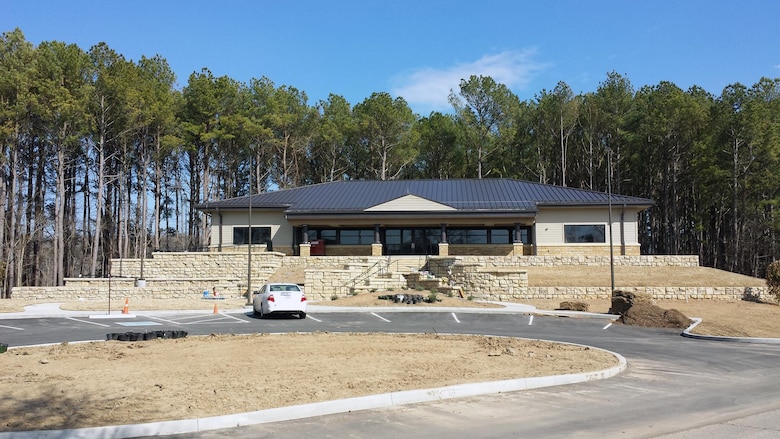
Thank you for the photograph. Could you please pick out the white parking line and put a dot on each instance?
(608, 325)
(455, 317)
(173, 322)
(316, 320)
(380, 317)
(530, 320)
(86, 321)
(12, 327)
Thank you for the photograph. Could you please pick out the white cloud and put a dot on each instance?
(427, 89)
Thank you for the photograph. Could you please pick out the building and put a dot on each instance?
(497, 217)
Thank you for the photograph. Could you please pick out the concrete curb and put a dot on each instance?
(755, 340)
(370, 402)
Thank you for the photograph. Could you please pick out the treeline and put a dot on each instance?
(104, 157)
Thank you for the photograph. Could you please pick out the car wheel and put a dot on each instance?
(301, 315)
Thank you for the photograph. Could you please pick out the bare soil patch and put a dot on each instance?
(728, 318)
(111, 383)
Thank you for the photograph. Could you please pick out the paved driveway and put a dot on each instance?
(673, 385)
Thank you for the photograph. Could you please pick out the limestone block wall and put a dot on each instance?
(590, 249)
(231, 265)
(187, 275)
(121, 288)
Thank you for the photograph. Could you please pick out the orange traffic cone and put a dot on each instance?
(126, 309)
(216, 311)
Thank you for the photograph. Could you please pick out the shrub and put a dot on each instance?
(773, 279)
(334, 297)
(432, 297)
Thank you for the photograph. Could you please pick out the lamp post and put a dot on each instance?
(249, 247)
(609, 218)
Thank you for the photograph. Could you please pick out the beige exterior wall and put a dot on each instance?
(550, 223)
(281, 230)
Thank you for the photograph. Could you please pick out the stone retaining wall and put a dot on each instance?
(187, 275)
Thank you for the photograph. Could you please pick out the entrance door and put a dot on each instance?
(412, 241)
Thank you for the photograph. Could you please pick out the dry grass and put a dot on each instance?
(638, 277)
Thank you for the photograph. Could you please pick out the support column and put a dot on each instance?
(517, 242)
(444, 246)
(305, 233)
(305, 249)
(376, 247)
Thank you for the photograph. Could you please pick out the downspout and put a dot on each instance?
(623, 231)
(219, 231)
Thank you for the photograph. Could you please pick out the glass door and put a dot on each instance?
(411, 241)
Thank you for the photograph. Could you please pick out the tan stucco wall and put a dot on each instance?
(550, 222)
(281, 230)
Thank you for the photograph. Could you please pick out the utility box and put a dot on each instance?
(317, 247)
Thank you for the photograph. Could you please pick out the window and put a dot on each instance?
(500, 236)
(484, 236)
(260, 235)
(467, 236)
(328, 235)
(356, 237)
(584, 233)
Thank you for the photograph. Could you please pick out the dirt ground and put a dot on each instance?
(108, 383)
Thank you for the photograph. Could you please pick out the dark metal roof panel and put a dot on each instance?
(462, 194)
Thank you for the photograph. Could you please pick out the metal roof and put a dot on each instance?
(466, 195)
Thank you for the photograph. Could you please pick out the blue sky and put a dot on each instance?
(421, 49)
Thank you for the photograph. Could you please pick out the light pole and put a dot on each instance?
(249, 247)
(609, 218)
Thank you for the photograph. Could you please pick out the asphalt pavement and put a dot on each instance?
(673, 387)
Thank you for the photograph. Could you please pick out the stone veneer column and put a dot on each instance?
(517, 249)
(444, 249)
(305, 249)
(376, 249)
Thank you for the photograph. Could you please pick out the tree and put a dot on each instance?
(64, 71)
(559, 112)
(17, 68)
(481, 107)
(335, 127)
(384, 130)
(441, 150)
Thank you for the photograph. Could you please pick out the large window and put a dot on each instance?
(584, 233)
(330, 236)
(486, 236)
(343, 237)
(356, 237)
(260, 235)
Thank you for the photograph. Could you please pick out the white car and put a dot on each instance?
(279, 298)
